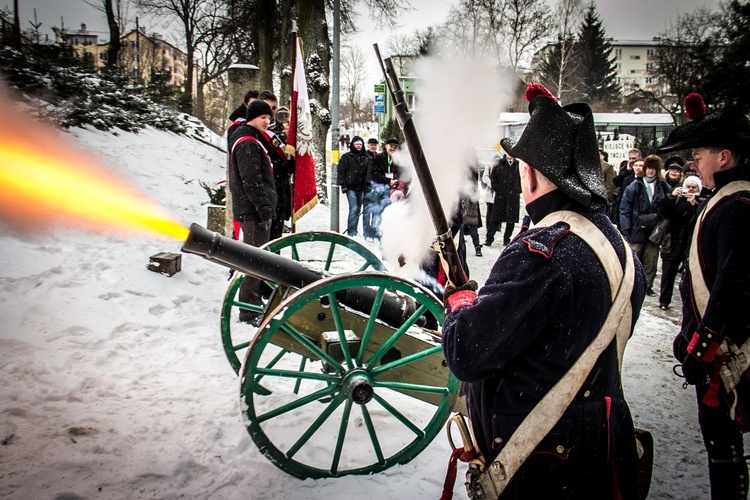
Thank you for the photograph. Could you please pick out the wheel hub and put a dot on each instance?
(358, 386)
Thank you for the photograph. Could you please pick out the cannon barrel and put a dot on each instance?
(287, 272)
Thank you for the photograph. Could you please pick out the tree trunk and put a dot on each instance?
(285, 54)
(114, 35)
(17, 26)
(266, 27)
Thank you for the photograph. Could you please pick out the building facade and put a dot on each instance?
(635, 62)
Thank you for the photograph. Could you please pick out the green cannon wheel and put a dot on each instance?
(324, 251)
(328, 391)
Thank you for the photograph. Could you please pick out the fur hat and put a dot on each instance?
(652, 161)
(692, 179)
(560, 142)
(257, 108)
(728, 128)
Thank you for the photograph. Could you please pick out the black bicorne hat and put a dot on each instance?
(560, 142)
(728, 128)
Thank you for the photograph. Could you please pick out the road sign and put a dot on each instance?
(379, 98)
(379, 108)
(380, 88)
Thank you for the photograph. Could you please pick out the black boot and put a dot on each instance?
(478, 248)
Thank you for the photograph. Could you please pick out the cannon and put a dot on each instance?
(361, 347)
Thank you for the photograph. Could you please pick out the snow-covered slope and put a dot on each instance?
(115, 384)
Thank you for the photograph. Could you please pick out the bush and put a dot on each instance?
(105, 100)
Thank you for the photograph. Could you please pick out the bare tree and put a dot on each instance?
(684, 58)
(527, 23)
(568, 14)
(507, 31)
(353, 80)
(190, 13)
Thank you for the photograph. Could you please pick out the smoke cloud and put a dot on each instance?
(458, 104)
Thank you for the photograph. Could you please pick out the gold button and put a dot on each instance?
(587, 394)
(710, 336)
(698, 354)
(704, 344)
(561, 449)
(498, 440)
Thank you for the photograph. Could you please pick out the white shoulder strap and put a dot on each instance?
(697, 281)
(548, 411)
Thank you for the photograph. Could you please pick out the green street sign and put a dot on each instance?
(379, 87)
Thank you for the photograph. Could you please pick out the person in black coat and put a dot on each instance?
(253, 191)
(506, 206)
(679, 211)
(715, 288)
(352, 177)
(545, 300)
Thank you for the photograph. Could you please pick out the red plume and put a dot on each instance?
(537, 89)
(695, 108)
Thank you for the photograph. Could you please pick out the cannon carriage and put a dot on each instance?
(360, 346)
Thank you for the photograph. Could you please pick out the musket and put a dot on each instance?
(445, 244)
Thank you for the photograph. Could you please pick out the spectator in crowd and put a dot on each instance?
(506, 182)
(352, 177)
(678, 209)
(470, 208)
(488, 194)
(623, 179)
(372, 147)
(384, 173)
(238, 115)
(609, 176)
(639, 215)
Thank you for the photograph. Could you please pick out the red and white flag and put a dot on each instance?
(299, 142)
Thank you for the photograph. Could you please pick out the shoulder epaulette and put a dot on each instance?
(544, 239)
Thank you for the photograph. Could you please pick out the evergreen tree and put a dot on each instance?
(598, 78)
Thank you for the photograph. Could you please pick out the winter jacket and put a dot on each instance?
(353, 167)
(544, 302)
(383, 169)
(635, 203)
(283, 168)
(250, 177)
(506, 182)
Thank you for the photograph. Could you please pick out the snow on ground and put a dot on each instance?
(116, 384)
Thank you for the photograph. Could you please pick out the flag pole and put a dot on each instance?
(294, 69)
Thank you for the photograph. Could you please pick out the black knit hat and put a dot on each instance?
(560, 142)
(257, 108)
(728, 128)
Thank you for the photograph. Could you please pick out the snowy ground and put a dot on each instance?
(116, 384)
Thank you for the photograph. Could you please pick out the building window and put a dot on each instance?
(649, 52)
(618, 66)
(649, 66)
(412, 101)
(649, 80)
(124, 43)
(635, 57)
(103, 56)
(618, 52)
(619, 80)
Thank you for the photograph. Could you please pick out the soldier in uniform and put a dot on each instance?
(715, 289)
(546, 299)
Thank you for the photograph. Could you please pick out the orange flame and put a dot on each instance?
(43, 179)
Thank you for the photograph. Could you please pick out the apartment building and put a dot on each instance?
(635, 61)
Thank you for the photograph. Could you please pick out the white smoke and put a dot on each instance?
(458, 106)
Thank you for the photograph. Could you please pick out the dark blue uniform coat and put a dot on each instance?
(543, 303)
